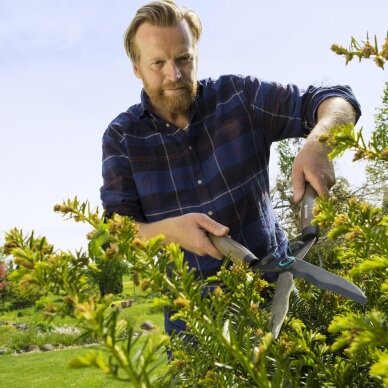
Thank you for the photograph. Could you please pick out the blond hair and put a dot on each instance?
(163, 13)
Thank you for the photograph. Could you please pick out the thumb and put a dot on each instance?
(213, 227)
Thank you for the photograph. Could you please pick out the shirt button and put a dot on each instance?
(167, 125)
(210, 213)
(199, 182)
(190, 148)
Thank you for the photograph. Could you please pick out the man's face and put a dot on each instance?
(167, 65)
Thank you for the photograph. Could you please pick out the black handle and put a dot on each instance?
(306, 215)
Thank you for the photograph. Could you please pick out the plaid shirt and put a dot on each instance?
(153, 170)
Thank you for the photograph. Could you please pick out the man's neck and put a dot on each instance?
(181, 119)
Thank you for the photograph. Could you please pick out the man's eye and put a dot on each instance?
(185, 59)
(157, 64)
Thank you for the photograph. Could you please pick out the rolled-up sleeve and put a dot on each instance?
(313, 96)
(286, 111)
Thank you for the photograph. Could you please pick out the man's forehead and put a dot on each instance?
(179, 33)
(153, 41)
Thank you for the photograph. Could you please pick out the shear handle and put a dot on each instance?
(306, 215)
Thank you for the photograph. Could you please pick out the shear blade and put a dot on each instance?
(327, 280)
(301, 252)
(280, 301)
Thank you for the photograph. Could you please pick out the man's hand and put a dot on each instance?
(312, 163)
(189, 231)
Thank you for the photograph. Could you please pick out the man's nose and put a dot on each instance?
(173, 72)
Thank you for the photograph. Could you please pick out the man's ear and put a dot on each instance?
(136, 70)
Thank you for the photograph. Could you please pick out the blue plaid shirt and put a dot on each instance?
(218, 166)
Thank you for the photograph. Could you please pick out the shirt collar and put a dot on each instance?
(145, 104)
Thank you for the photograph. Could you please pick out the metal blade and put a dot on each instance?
(280, 301)
(327, 280)
(302, 252)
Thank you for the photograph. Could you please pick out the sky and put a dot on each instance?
(64, 76)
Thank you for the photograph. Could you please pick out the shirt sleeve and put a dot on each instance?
(118, 192)
(285, 111)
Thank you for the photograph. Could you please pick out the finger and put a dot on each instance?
(212, 226)
(214, 252)
(321, 183)
(206, 247)
(298, 184)
(319, 186)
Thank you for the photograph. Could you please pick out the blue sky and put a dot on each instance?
(64, 76)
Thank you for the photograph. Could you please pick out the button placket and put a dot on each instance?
(198, 178)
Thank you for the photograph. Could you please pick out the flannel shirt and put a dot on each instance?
(218, 165)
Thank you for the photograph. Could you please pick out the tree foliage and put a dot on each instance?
(364, 50)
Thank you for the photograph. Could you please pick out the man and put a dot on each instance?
(192, 158)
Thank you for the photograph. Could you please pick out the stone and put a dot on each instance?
(21, 326)
(47, 348)
(147, 325)
(32, 348)
(4, 350)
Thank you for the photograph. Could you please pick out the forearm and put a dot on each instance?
(152, 229)
(332, 112)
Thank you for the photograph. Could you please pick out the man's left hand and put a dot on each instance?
(312, 165)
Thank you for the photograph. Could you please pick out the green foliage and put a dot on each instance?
(364, 50)
(230, 343)
(360, 230)
(38, 335)
(282, 195)
(345, 137)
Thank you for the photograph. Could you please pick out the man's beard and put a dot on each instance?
(172, 104)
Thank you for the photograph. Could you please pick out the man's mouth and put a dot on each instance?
(175, 90)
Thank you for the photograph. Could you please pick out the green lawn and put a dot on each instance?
(49, 369)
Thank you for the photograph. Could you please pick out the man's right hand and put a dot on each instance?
(190, 231)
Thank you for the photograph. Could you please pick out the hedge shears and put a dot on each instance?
(292, 266)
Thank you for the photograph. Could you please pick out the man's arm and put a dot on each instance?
(189, 231)
(311, 163)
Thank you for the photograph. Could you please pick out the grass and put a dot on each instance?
(49, 369)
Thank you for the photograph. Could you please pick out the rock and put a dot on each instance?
(21, 326)
(32, 348)
(147, 325)
(4, 350)
(126, 303)
(47, 348)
